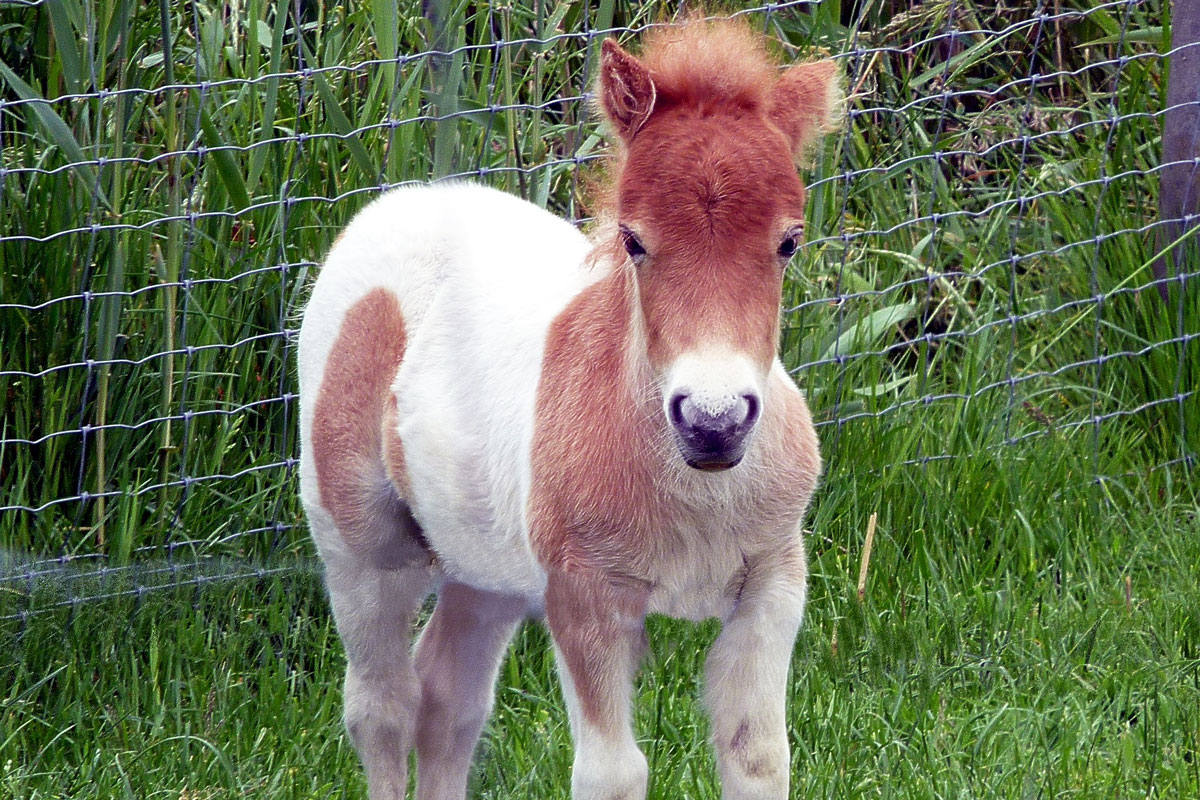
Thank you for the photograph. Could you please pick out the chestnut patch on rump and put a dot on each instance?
(348, 428)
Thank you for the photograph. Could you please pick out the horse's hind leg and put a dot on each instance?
(352, 482)
(457, 660)
(374, 609)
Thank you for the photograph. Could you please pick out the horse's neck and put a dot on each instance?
(619, 332)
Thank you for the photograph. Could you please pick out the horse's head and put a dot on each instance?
(710, 210)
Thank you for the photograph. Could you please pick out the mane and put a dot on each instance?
(701, 64)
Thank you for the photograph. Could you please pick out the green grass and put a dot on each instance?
(1029, 625)
(966, 671)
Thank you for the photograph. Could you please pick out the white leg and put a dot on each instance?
(599, 639)
(374, 611)
(746, 679)
(457, 659)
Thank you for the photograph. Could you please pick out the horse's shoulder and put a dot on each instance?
(795, 449)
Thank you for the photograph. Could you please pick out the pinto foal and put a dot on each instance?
(526, 422)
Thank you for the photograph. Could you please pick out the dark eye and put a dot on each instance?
(787, 248)
(633, 245)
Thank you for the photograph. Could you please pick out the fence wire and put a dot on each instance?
(981, 241)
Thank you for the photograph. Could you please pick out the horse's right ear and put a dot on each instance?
(626, 90)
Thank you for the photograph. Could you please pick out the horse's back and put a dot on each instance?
(420, 352)
(415, 241)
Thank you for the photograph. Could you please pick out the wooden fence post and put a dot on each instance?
(1179, 192)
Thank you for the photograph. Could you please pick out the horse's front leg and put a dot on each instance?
(599, 638)
(746, 678)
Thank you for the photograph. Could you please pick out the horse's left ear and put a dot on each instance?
(626, 90)
(806, 103)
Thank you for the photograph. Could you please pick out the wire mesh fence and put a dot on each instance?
(977, 283)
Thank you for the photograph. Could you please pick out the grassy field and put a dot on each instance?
(1008, 662)
(970, 320)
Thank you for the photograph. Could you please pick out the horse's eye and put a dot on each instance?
(633, 245)
(791, 241)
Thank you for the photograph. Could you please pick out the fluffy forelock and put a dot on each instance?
(702, 62)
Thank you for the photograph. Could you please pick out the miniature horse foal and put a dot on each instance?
(527, 423)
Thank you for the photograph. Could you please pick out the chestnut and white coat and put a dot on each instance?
(529, 422)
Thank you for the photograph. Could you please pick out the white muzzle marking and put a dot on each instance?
(713, 402)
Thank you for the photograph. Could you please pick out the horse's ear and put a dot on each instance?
(626, 90)
(807, 102)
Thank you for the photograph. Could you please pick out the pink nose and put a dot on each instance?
(713, 438)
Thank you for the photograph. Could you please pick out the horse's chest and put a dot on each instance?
(697, 566)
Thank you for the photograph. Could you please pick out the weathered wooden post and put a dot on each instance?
(1179, 193)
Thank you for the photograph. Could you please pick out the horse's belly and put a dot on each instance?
(468, 474)
(465, 395)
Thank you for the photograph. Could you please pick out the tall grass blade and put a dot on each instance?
(258, 159)
(59, 132)
(869, 330)
(341, 123)
(66, 40)
(171, 262)
(227, 166)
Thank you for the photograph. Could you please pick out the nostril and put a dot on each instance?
(753, 408)
(676, 410)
